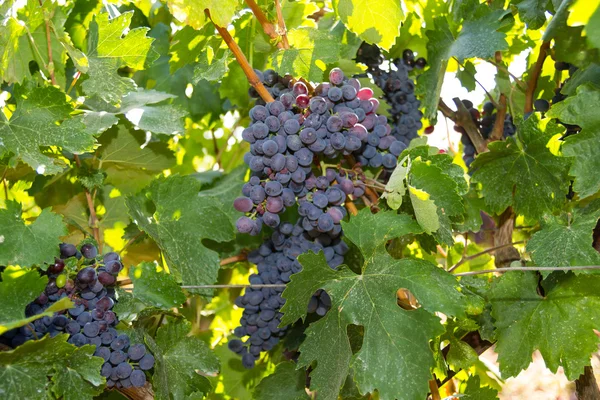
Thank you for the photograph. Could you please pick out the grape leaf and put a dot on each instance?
(474, 390)
(211, 70)
(39, 359)
(78, 377)
(285, 383)
(566, 241)
(374, 21)
(191, 12)
(589, 75)
(32, 244)
(395, 189)
(523, 172)
(140, 108)
(178, 357)
(310, 49)
(394, 339)
(42, 118)
(173, 214)
(128, 165)
(532, 12)
(111, 45)
(466, 76)
(552, 324)
(18, 288)
(443, 190)
(585, 146)
(425, 210)
(158, 289)
(593, 29)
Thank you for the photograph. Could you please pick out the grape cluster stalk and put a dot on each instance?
(297, 145)
(92, 320)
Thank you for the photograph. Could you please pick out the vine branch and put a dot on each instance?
(535, 74)
(281, 22)
(267, 26)
(50, 65)
(243, 61)
(481, 253)
(464, 119)
(90, 201)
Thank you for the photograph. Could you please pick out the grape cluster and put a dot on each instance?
(485, 123)
(398, 89)
(91, 321)
(542, 105)
(289, 135)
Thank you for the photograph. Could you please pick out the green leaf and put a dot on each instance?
(374, 21)
(111, 45)
(42, 118)
(589, 75)
(523, 172)
(466, 76)
(394, 339)
(461, 354)
(78, 376)
(425, 210)
(173, 214)
(442, 188)
(158, 289)
(128, 165)
(566, 241)
(585, 146)
(285, 383)
(32, 244)
(212, 70)
(481, 36)
(474, 390)
(532, 12)
(18, 288)
(39, 359)
(593, 29)
(310, 49)
(178, 357)
(191, 12)
(395, 189)
(552, 324)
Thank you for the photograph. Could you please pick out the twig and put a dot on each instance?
(93, 217)
(241, 59)
(267, 26)
(281, 22)
(351, 207)
(446, 111)
(505, 70)
(49, 43)
(479, 83)
(481, 253)
(535, 74)
(230, 260)
(498, 129)
(4, 184)
(529, 269)
(464, 119)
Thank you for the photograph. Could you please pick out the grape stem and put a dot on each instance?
(50, 65)
(481, 253)
(267, 26)
(535, 74)
(243, 61)
(93, 217)
(281, 25)
(498, 129)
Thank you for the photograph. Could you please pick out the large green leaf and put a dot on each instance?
(75, 373)
(158, 289)
(31, 244)
(585, 146)
(191, 12)
(568, 240)
(522, 172)
(374, 21)
(310, 49)
(552, 323)
(42, 118)
(178, 358)
(395, 341)
(128, 165)
(111, 45)
(173, 214)
(285, 383)
(533, 12)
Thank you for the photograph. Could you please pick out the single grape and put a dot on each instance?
(124, 369)
(137, 378)
(86, 275)
(243, 204)
(147, 362)
(89, 251)
(67, 250)
(541, 105)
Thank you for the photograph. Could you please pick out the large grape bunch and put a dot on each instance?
(398, 89)
(288, 136)
(485, 123)
(91, 321)
(289, 139)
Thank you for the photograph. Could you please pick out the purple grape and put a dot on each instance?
(147, 362)
(243, 204)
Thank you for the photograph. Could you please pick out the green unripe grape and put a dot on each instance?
(61, 281)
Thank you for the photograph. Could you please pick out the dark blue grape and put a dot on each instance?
(137, 378)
